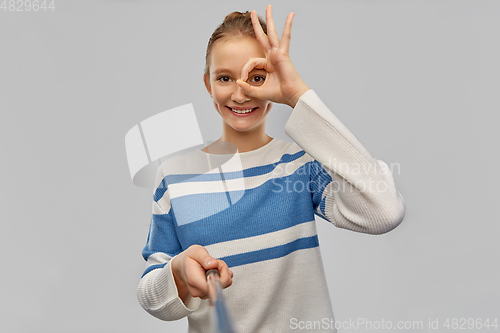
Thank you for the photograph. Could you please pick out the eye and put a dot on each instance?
(257, 80)
(223, 78)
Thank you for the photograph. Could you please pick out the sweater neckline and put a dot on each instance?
(250, 152)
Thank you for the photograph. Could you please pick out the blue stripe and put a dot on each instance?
(250, 172)
(162, 188)
(320, 179)
(264, 169)
(203, 205)
(162, 236)
(272, 252)
(150, 268)
(267, 208)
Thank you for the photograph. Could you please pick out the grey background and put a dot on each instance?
(416, 81)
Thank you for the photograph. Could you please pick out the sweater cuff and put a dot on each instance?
(166, 303)
(168, 279)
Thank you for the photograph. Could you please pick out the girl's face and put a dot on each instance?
(227, 59)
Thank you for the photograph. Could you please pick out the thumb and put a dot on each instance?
(210, 263)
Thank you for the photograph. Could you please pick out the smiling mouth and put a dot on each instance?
(242, 111)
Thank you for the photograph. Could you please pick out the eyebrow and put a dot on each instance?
(222, 70)
(225, 70)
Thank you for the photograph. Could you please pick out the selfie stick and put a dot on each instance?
(224, 323)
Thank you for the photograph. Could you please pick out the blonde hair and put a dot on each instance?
(236, 24)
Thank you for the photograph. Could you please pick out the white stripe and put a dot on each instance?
(261, 242)
(163, 205)
(198, 162)
(157, 210)
(158, 258)
(239, 184)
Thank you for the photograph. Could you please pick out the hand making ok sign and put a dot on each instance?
(283, 83)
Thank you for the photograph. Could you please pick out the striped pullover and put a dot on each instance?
(257, 213)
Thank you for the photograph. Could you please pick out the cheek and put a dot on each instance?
(218, 100)
(219, 95)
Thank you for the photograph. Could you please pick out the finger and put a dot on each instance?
(196, 280)
(287, 33)
(259, 63)
(225, 274)
(249, 89)
(271, 30)
(259, 32)
(195, 292)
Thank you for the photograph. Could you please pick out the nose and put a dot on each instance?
(238, 96)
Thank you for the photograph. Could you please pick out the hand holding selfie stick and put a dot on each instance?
(224, 323)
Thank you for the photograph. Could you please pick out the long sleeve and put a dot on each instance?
(351, 189)
(157, 292)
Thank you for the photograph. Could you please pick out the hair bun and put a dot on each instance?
(236, 15)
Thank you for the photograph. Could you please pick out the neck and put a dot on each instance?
(248, 140)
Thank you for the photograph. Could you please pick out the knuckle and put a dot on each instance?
(194, 247)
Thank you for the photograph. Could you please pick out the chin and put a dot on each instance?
(241, 129)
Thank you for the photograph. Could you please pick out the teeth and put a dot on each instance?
(242, 111)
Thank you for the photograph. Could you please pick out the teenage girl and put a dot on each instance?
(265, 244)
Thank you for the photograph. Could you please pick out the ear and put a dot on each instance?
(206, 80)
